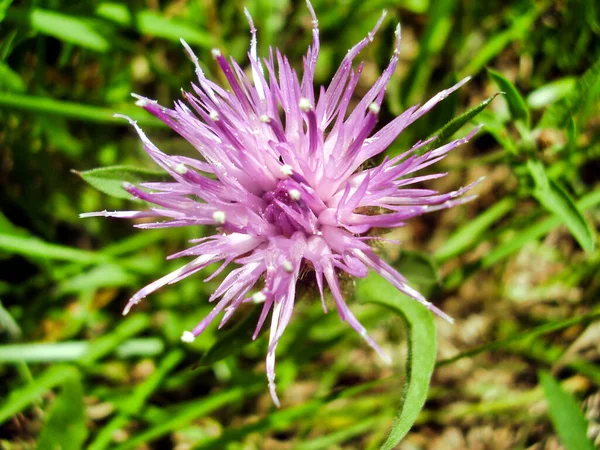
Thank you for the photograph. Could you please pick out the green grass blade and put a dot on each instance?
(551, 92)
(65, 426)
(558, 114)
(535, 231)
(558, 201)
(495, 44)
(72, 351)
(20, 398)
(153, 24)
(527, 334)
(76, 111)
(466, 236)
(185, 415)
(421, 338)
(107, 343)
(75, 30)
(36, 248)
(516, 104)
(566, 416)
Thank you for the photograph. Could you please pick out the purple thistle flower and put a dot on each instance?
(280, 176)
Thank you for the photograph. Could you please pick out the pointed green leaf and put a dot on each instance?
(75, 30)
(557, 115)
(566, 416)
(556, 200)
(421, 339)
(150, 23)
(467, 236)
(20, 398)
(444, 134)
(65, 427)
(551, 92)
(516, 104)
(110, 179)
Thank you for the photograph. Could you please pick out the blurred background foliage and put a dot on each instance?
(517, 268)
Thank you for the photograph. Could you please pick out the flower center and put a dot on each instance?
(284, 208)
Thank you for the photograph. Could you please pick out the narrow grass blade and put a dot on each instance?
(495, 44)
(535, 231)
(516, 104)
(75, 30)
(466, 236)
(421, 338)
(65, 426)
(558, 201)
(108, 342)
(72, 351)
(149, 23)
(75, 111)
(557, 115)
(551, 92)
(568, 419)
(20, 398)
(36, 248)
(527, 334)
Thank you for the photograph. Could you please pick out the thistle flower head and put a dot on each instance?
(279, 175)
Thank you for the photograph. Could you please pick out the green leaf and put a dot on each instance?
(551, 92)
(495, 44)
(72, 351)
(106, 343)
(558, 201)
(539, 229)
(466, 236)
(150, 23)
(566, 416)
(516, 104)
(20, 398)
(76, 111)
(421, 338)
(444, 134)
(105, 275)
(431, 42)
(557, 115)
(65, 427)
(110, 179)
(75, 30)
(234, 340)
(10, 80)
(36, 248)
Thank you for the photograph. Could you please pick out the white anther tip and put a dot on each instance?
(287, 266)
(215, 52)
(188, 337)
(264, 118)
(214, 116)
(259, 297)
(304, 104)
(295, 194)
(181, 169)
(219, 217)
(374, 108)
(286, 170)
